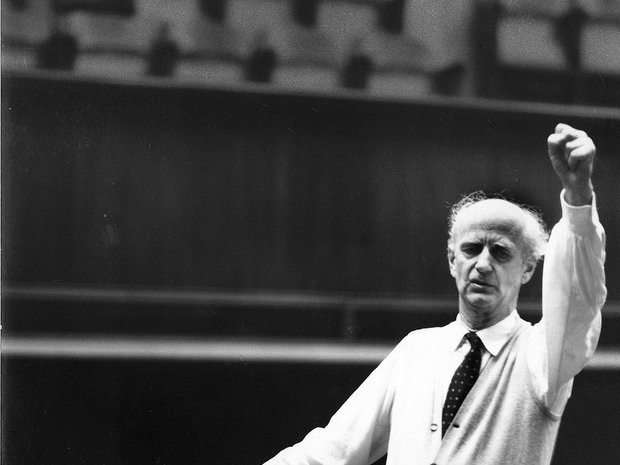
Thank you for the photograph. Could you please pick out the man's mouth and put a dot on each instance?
(480, 283)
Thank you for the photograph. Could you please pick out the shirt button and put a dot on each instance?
(434, 427)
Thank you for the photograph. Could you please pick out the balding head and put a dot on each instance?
(518, 222)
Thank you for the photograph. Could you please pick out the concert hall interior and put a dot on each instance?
(219, 216)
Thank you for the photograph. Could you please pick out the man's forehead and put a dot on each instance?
(492, 215)
(484, 232)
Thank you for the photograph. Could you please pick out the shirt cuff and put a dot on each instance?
(581, 218)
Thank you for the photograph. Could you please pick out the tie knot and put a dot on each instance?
(474, 340)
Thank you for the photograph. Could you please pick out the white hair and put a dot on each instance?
(534, 233)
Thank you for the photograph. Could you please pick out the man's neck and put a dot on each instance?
(477, 319)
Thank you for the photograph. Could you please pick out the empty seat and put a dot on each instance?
(601, 48)
(214, 40)
(397, 53)
(300, 45)
(215, 49)
(306, 78)
(24, 26)
(251, 16)
(107, 33)
(395, 84)
(528, 42)
(26, 23)
(343, 22)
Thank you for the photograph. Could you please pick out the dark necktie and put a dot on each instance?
(464, 378)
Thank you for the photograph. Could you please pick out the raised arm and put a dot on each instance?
(573, 277)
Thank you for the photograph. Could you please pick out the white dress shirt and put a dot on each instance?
(493, 338)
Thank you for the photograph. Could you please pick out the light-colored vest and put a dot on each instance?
(501, 421)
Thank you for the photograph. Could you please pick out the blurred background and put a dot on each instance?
(218, 216)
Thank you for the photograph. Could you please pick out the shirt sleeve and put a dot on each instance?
(358, 432)
(573, 294)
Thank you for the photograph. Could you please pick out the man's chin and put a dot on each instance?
(479, 300)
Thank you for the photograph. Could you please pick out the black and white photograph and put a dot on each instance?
(310, 232)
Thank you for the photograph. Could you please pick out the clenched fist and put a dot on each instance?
(572, 155)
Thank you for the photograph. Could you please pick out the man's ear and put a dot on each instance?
(528, 272)
(451, 262)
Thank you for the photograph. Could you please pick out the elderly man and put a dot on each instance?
(489, 388)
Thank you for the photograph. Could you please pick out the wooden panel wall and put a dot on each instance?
(67, 411)
(148, 185)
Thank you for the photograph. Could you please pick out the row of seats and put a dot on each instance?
(564, 52)
(536, 40)
(339, 24)
(337, 42)
(192, 25)
(407, 46)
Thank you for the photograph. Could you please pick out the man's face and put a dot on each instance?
(488, 261)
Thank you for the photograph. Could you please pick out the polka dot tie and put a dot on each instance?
(464, 378)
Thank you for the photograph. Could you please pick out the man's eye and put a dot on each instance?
(471, 249)
(501, 253)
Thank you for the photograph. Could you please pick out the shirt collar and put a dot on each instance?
(494, 337)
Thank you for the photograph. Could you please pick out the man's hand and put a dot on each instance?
(572, 155)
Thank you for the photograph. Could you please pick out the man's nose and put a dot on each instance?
(484, 261)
